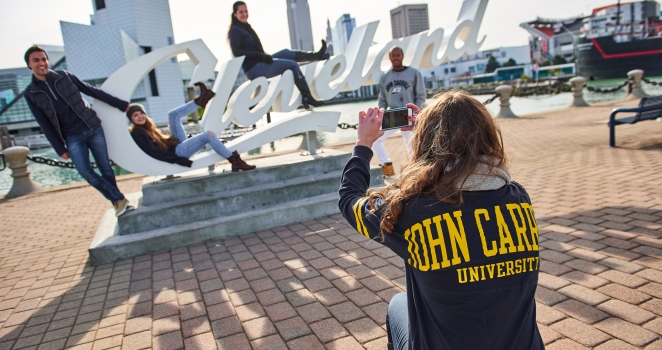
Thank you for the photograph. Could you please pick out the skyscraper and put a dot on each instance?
(329, 38)
(120, 31)
(298, 18)
(342, 32)
(408, 20)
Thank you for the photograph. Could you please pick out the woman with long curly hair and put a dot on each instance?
(177, 147)
(466, 231)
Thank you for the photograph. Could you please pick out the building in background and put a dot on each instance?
(298, 18)
(553, 37)
(341, 33)
(120, 31)
(408, 20)
(329, 38)
(464, 70)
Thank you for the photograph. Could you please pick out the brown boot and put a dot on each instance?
(205, 95)
(387, 169)
(238, 164)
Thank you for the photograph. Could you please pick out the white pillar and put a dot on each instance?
(505, 92)
(636, 76)
(578, 92)
(16, 157)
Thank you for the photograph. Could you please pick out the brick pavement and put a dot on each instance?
(320, 285)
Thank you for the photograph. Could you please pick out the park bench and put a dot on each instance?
(650, 108)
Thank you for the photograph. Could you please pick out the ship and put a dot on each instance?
(618, 38)
(606, 44)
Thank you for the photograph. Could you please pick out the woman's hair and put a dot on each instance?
(233, 19)
(450, 138)
(161, 140)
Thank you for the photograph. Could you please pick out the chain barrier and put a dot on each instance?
(627, 83)
(345, 126)
(58, 163)
(654, 83)
(491, 99)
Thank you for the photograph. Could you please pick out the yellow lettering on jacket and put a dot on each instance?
(462, 275)
(504, 233)
(411, 261)
(520, 226)
(458, 239)
(473, 273)
(533, 226)
(434, 242)
(419, 228)
(423, 264)
(487, 251)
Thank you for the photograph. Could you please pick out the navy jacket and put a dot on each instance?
(245, 42)
(471, 271)
(69, 87)
(149, 146)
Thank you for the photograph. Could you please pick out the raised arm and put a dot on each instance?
(97, 93)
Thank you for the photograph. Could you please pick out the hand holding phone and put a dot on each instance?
(397, 118)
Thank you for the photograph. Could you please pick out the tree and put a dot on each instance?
(545, 64)
(510, 63)
(492, 65)
(559, 60)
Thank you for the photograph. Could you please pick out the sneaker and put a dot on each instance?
(387, 169)
(122, 206)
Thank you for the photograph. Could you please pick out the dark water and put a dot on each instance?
(47, 176)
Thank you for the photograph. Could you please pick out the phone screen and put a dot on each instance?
(395, 118)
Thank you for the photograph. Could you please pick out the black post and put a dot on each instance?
(268, 117)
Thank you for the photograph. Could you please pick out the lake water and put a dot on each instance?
(48, 176)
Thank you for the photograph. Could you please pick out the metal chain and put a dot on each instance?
(491, 99)
(656, 83)
(608, 91)
(59, 163)
(348, 126)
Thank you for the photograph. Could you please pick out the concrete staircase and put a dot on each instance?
(198, 206)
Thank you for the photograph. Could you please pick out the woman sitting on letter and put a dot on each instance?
(177, 148)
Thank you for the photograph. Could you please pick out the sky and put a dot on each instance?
(24, 23)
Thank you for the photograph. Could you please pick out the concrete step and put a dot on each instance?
(227, 203)
(109, 246)
(157, 190)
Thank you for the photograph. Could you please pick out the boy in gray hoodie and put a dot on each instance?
(397, 87)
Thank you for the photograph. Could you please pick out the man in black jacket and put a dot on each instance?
(70, 125)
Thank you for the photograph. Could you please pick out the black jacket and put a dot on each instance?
(471, 271)
(245, 42)
(69, 87)
(146, 144)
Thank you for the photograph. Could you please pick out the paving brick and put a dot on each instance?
(625, 279)
(226, 327)
(548, 315)
(300, 297)
(259, 328)
(308, 342)
(273, 342)
(621, 265)
(279, 312)
(654, 289)
(549, 297)
(249, 311)
(346, 312)
(548, 335)
(585, 295)
(553, 268)
(328, 330)
(581, 311)
(626, 331)
(627, 312)
(313, 312)
(293, 328)
(201, 342)
(615, 344)
(625, 294)
(551, 282)
(585, 279)
(348, 343)
(580, 332)
(654, 325)
(653, 305)
(585, 266)
(330, 296)
(317, 284)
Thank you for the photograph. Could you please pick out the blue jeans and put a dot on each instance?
(188, 147)
(79, 147)
(283, 60)
(397, 322)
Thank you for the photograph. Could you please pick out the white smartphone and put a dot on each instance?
(396, 118)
